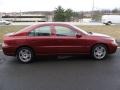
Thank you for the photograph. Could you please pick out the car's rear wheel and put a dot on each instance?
(25, 55)
(99, 51)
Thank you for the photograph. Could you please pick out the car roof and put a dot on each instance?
(52, 23)
(42, 24)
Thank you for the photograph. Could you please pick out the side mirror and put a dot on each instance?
(78, 35)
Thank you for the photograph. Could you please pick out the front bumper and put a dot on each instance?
(113, 48)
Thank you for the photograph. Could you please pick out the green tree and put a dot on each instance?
(76, 16)
(68, 14)
(59, 14)
(115, 10)
(97, 15)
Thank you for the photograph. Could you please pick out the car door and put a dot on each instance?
(67, 42)
(41, 39)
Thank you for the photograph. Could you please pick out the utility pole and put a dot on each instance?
(0, 15)
(93, 5)
(20, 15)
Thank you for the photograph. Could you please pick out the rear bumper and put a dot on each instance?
(8, 50)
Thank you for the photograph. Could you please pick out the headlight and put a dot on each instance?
(4, 44)
(114, 42)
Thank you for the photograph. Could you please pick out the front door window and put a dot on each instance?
(64, 31)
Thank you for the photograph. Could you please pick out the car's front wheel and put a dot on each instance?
(99, 52)
(25, 55)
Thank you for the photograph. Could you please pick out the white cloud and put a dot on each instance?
(45, 5)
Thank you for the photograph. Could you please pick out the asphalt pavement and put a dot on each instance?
(62, 73)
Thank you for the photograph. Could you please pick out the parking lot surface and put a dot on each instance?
(62, 73)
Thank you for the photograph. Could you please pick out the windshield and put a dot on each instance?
(83, 31)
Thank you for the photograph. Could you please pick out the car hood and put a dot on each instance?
(10, 34)
(101, 35)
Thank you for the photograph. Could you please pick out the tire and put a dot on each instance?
(99, 52)
(109, 23)
(25, 55)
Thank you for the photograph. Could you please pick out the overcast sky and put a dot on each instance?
(49, 5)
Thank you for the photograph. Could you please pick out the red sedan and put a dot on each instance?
(56, 39)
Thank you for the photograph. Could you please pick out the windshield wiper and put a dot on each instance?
(90, 32)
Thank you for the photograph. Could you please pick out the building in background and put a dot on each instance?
(32, 16)
(47, 16)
